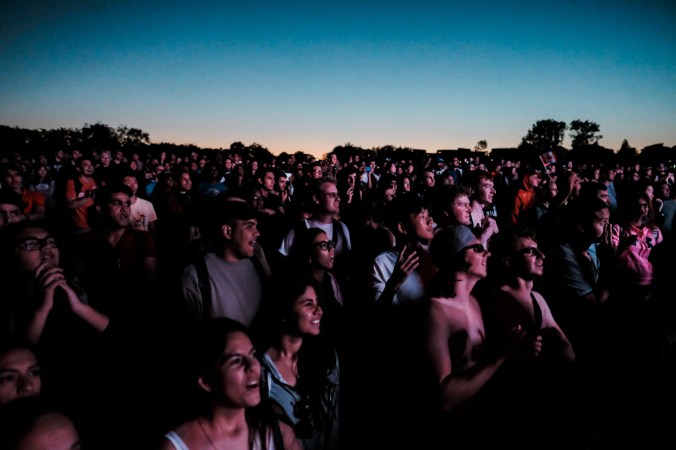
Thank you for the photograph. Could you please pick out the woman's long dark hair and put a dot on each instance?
(316, 357)
(302, 249)
(211, 342)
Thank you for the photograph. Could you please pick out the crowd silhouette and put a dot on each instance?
(211, 300)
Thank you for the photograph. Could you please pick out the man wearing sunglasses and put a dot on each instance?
(534, 386)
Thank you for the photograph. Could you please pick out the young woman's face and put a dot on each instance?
(19, 375)
(236, 378)
(324, 252)
(308, 313)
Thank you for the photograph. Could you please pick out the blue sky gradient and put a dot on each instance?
(301, 75)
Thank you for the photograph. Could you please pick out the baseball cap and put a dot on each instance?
(448, 242)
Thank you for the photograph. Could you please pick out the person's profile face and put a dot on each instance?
(461, 210)
(527, 260)
(329, 199)
(323, 257)
(244, 236)
(600, 221)
(486, 191)
(308, 313)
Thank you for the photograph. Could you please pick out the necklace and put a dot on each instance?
(199, 421)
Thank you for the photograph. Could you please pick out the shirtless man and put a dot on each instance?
(534, 387)
(455, 336)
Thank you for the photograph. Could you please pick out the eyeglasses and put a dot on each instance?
(325, 245)
(643, 205)
(33, 244)
(476, 248)
(317, 170)
(119, 203)
(331, 194)
(531, 251)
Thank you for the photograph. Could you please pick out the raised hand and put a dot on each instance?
(407, 262)
(48, 278)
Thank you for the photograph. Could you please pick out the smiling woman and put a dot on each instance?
(300, 370)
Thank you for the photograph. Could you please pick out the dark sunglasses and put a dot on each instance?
(477, 248)
(531, 251)
(325, 245)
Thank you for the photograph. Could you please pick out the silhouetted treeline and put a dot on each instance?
(545, 135)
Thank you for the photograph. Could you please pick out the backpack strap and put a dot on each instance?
(259, 269)
(537, 312)
(204, 285)
(338, 233)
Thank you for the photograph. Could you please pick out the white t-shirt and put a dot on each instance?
(142, 213)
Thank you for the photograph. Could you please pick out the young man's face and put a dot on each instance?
(485, 191)
(533, 180)
(328, 199)
(9, 213)
(87, 168)
(13, 180)
(185, 182)
(428, 178)
(422, 225)
(461, 210)
(20, 375)
(118, 210)
(599, 223)
(316, 172)
(281, 183)
(527, 261)
(132, 183)
(105, 159)
(243, 238)
(36, 247)
(602, 194)
(268, 181)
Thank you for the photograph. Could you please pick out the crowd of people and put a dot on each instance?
(211, 300)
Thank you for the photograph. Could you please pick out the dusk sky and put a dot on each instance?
(311, 75)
